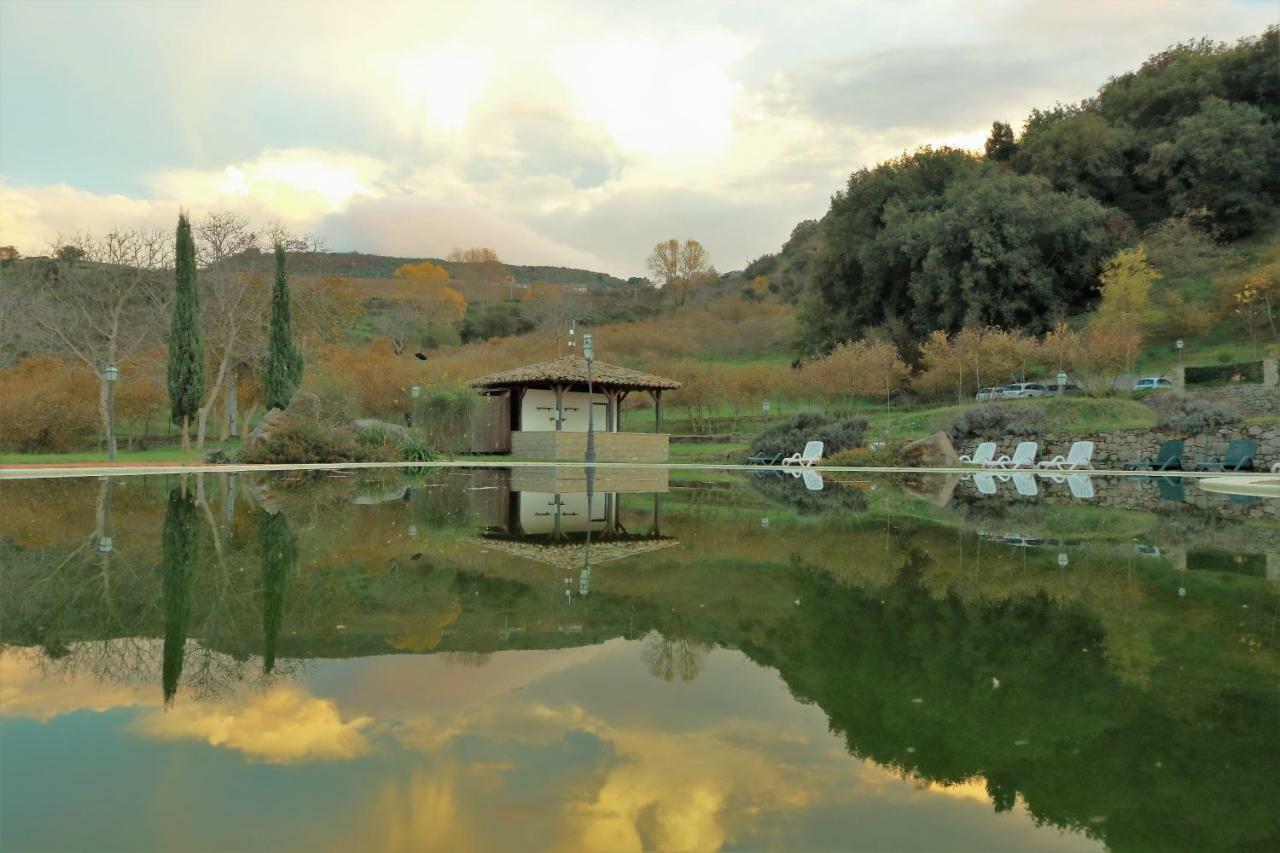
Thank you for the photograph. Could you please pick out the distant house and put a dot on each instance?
(539, 411)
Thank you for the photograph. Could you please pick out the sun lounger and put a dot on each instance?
(812, 453)
(1239, 457)
(1024, 456)
(764, 459)
(984, 453)
(1167, 458)
(1080, 456)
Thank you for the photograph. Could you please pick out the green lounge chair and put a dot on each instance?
(765, 459)
(1239, 457)
(1167, 458)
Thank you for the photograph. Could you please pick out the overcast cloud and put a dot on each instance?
(555, 132)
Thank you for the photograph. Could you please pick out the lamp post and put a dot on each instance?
(112, 375)
(414, 392)
(1178, 344)
(590, 355)
(1062, 382)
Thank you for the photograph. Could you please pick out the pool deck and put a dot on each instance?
(1258, 483)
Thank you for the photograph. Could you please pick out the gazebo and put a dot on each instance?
(540, 411)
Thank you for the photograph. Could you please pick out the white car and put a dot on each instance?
(1023, 389)
(1152, 383)
(988, 394)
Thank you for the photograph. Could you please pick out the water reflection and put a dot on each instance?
(976, 655)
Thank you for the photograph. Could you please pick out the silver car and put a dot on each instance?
(1023, 389)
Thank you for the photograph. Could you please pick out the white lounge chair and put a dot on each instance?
(1079, 456)
(812, 480)
(1275, 469)
(986, 483)
(812, 453)
(982, 454)
(1024, 456)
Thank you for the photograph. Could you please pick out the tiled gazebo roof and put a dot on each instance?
(572, 370)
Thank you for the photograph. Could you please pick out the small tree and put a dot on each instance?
(1126, 307)
(284, 361)
(186, 344)
(1000, 145)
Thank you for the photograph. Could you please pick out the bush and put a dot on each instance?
(47, 405)
(993, 422)
(298, 440)
(1192, 415)
(791, 435)
(416, 450)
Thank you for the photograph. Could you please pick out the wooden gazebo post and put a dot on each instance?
(657, 409)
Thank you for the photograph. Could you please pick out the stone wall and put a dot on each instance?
(1112, 448)
(610, 446)
(1247, 398)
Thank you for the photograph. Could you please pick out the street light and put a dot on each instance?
(589, 354)
(112, 375)
(1062, 382)
(1179, 345)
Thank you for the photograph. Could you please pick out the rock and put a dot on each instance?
(305, 406)
(395, 430)
(935, 451)
(270, 421)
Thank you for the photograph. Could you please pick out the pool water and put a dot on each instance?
(497, 659)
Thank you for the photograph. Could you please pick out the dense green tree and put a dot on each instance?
(941, 239)
(283, 372)
(186, 344)
(1221, 163)
(1000, 144)
(1078, 151)
(180, 539)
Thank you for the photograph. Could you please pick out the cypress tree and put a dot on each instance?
(186, 346)
(180, 541)
(279, 549)
(284, 361)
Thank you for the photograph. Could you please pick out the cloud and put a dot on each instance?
(554, 132)
(281, 726)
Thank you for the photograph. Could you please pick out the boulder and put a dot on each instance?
(936, 451)
(394, 430)
(270, 421)
(306, 406)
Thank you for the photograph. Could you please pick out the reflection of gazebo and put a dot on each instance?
(540, 410)
(564, 530)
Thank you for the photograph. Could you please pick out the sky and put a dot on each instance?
(575, 134)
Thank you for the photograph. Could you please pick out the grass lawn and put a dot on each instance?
(171, 453)
(719, 451)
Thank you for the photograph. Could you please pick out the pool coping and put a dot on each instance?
(132, 470)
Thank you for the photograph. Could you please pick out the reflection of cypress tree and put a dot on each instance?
(181, 544)
(279, 555)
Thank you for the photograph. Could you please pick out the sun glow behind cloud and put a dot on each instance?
(654, 97)
(441, 84)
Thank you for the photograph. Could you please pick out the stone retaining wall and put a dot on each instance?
(1248, 400)
(1112, 448)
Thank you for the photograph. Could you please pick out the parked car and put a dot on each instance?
(988, 394)
(1023, 389)
(1152, 383)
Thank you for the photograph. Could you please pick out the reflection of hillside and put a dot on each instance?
(1030, 675)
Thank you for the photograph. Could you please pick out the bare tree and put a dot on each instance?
(679, 266)
(235, 308)
(105, 301)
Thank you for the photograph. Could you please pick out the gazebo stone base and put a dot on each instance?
(610, 446)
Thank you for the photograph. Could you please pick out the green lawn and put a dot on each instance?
(172, 453)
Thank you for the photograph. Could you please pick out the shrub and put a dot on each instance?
(47, 405)
(298, 440)
(992, 422)
(887, 455)
(1191, 415)
(416, 450)
(791, 435)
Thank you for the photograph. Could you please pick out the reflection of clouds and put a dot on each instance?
(282, 726)
(27, 690)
